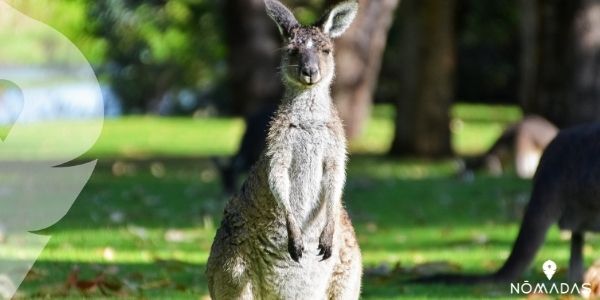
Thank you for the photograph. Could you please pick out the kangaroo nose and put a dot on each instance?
(309, 71)
(310, 74)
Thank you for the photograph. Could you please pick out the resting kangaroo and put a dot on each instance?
(523, 141)
(286, 235)
(566, 189)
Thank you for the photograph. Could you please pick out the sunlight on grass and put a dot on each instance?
(150, 222)
(142, 137)
(474, 128)
(3, 132)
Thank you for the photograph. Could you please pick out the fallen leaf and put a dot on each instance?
(117, 217)
(120, 168)
(383, 269)
(592, 276)
(175, 236)
(171, 264)
(538, 296)
(208, 175)
(436, 267)
(86, 286)
(162, 283)
(371, 227)
(35, 274)
(112, 283)
(138, 231)
(157, 169)
(109, 254)
(480, 238)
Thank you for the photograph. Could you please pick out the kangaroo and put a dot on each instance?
(523, 141)
(286, 235)
(566, 189)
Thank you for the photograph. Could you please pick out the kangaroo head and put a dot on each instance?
(308, 56)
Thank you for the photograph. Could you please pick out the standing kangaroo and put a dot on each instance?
(566, 189)
(286, 235)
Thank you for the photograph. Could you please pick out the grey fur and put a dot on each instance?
(282, 16)
(566, 189)
(522, 142)
(338, 19)
(286, 235)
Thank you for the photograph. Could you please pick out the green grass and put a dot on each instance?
(141, 137)
(149, 212)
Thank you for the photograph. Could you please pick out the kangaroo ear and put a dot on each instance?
(335, 22)
(282, 16)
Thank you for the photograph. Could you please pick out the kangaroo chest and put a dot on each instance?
(309, 145)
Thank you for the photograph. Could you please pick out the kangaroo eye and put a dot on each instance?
(326, 51)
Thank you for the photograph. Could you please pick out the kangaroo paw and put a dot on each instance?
(295, 244)
(295, 248)
(326, 241)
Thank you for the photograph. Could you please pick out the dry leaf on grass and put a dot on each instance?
(435, 267)
(105, 282)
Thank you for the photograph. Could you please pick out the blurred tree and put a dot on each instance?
(426, 65)
(359, 53)
(561, 66)
(156, 46)
(68, 17)
(487, 51)
(529, 27)
(253, 56)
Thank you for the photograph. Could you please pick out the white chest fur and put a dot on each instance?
(306, 170)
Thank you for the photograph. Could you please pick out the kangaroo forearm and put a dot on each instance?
(333, 184)
(279, 183)
(333, 202)
(278, 175)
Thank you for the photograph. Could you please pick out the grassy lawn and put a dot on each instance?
(147, 217)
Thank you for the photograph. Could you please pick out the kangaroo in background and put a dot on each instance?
(251, 146)
(522, 142)
(286, 235)
(566, 189)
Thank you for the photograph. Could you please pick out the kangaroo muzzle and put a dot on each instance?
(309, 70)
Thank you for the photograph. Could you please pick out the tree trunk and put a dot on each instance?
(253, 58)
(358, 56)
(530, 17)
(425, 89)
(566, 82)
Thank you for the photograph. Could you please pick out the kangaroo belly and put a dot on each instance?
(581, 214)
(308, 279)
(581, 196)
(282, 278)
(306, 173)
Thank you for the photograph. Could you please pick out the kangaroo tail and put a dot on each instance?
(542, 211)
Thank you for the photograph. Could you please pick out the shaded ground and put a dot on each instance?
(146, 223)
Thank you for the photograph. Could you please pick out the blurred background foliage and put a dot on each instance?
(156, 46)
(164, 45)
(206, 58)
(68, 17)
(420, 79)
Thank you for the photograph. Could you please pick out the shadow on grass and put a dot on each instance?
(161, 279)
(176, 192)
(135, 206)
